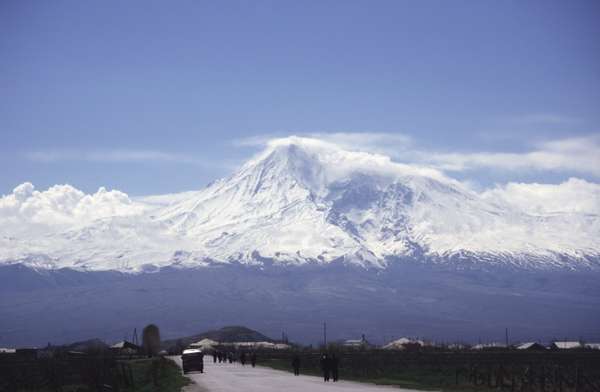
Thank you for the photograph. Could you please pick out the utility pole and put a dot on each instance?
(506, 333)
(325, 334)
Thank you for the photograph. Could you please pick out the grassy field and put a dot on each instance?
(137, 375)
(168, 376)
(425, 380)
(508, 370)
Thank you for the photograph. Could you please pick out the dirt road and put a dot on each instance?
(236, 378)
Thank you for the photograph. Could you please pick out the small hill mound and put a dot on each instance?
(223, 335)
(235, 334)
(86, 345)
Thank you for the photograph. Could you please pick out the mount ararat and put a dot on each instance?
(304, 232)
(300, 201)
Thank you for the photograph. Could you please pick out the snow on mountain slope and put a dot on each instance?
(301, 200)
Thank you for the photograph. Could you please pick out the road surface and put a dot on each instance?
(222, 377)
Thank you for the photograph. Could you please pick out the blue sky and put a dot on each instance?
(156, 97)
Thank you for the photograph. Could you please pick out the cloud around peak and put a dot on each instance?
(369, 153)
(576, 155)
(339, 160)
(569, 156)
(344, 153)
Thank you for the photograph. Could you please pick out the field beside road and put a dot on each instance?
(465, 370)
(87, 373)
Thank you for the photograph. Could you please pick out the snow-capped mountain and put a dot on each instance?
(299, 201)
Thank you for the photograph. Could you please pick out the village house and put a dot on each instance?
(566, 345)
(404, 344)
(356, 343)
(204, 344)
(489, 346)
(125, 348)
(531, 346)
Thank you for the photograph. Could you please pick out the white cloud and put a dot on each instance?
(378, 142)
(340, 160)
(572, 196)
(63, 205)
(343, 152)
(391, 144)
(579, 155)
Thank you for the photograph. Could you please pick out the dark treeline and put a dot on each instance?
(91, 366)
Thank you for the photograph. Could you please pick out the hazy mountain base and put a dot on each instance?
(441, 302)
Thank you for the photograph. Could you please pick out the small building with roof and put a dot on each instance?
(531, 346)
(489, 346)
(357, 343)
(204, 344)
(566, 345)
(125, 348)
(404, 344)
(259, 345)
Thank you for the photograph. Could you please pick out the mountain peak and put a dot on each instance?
(336, 164)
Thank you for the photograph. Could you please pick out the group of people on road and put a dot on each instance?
(330, 365)
(244, 358)
(329, 362)
(231, 357)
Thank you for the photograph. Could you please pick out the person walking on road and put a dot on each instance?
(326, 367)
(296, 364)
(243, 359)
(335, 365)
(253, 359)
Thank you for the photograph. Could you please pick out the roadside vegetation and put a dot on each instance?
(135, 375)
(157, 374)
(480, 371)
(92, 366)
(421, 379)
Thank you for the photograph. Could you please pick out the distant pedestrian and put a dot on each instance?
(326, 367)
(253, 359)
(243, 359)
(296, 364)
(214, 356)
(335, 367)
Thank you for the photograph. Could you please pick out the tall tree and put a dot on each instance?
(151, 340)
